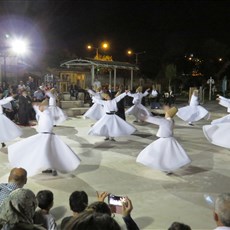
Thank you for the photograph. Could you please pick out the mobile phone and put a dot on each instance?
(115, 200)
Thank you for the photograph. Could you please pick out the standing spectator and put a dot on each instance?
(39, 95)
(222, 212)
(21, 87)
(43, 216)
(16, 179)
(25, 108)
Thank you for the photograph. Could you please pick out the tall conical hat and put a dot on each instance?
(172, 112)
(139, 89)
(53, 90)
(45, 102)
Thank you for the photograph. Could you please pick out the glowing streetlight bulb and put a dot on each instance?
(89, 47)
(105, 45)
(129, 52)
(19, 46)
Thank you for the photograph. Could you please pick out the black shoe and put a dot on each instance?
(47, 171)
(3, 145)
(191, 124)
(168, 173)
(112, 139)
(106, 139)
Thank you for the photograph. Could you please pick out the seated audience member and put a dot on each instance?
(42, 216)
(16, 179)
(17, 211)
(102, 208)
(78, 201)
(91, 220)
(179, 226)
(222, 212)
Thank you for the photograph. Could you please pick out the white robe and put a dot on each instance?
(225, 119)
(164, 154)
(137, 108)
(111, 125)
(8, 129)
(218, 134)
(43, 150)
(96, 111)
(57, 113)
(193, 112)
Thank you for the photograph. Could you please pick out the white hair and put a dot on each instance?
(222, 208)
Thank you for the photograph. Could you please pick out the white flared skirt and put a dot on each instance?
(8, 129)
(164, 154)
(192, 113)
(58, 115)
(218, 134)
(111, 126)
(137, 110)
(41, 152)
(224, 119)
(95, 112)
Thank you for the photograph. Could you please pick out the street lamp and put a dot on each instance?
(130, 52)
(104, 46)
(13, 47)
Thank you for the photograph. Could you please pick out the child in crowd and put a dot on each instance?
(43, 216)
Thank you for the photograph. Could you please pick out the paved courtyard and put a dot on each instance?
(158, 199)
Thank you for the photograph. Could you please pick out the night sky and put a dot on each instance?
(151, 26)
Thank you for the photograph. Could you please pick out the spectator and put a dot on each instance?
(91, 220)
(222, 212)
(39, 95)
(16, 179)
(96, 84)
(17, 211)
(25, 108)
(78, 201)
(43, 216)
(179, 226)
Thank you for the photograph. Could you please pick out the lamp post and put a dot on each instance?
(130, 52)
(104, 46)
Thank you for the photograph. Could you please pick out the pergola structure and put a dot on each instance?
(110, 65)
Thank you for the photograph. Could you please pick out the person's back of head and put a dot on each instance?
(45, 199)
(179, 226)
(78, 201)
(18, 207)
(100, 207)
(18, 176)
(90, 220)
(222, 210)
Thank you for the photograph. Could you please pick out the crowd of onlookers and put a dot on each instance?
(21, 209)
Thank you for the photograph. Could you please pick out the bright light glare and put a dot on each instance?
(19, 46)
(89, 47)
(129, 52)
(105, 45)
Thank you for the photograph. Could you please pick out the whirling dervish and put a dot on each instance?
(138, 108)
(193, 112)
(111, 125)
(164, 154)
(8, 129)
(58, 114)
(96, 111)
(226, 103)
(44, 150)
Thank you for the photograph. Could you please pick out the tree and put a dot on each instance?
(170, 73)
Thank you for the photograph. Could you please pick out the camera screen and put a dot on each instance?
(115, 200)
